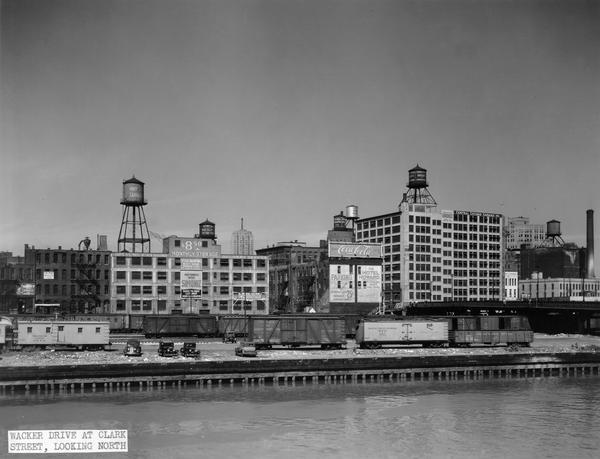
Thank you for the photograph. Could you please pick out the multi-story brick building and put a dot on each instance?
(292, 274)
(151, 283)
(77, 280)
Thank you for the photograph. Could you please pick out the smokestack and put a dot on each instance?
(590, 244)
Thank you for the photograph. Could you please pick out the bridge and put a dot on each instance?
(545, 316)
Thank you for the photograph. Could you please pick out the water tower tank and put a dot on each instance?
(352, 211)
(207, 230)
(133, 192)
(553, 228)
(417, 177)
(339, 221)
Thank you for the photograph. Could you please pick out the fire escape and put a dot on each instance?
(86, 298)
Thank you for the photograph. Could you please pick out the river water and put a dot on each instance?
(492, 418)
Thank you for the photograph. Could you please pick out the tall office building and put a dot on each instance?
(436, 255)
(242, 241)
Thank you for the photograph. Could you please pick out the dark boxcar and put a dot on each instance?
(179, 325)
(136, 322)
(238, 325)
(489, 330)
(267, 331)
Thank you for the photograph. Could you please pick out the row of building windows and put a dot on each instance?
(379, 222)
(70, 289)
(72, 274)
(61, 257)
(176, 276)
(218, 262)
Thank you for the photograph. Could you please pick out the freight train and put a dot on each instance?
(454, 331)
(157, 325)
(326, 330)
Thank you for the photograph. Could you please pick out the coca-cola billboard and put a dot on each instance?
(354, 250)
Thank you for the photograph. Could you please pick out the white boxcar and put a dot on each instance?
(376, 333)
(83, 334)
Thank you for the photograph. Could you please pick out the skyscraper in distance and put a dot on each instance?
(242, 241)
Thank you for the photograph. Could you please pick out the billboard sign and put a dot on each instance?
(191, 264)
(249, 296)
(341, 284)
(191, 284)
(193, 248)
(26, 290)
(368, 283)
(354, 250)
(48, 275)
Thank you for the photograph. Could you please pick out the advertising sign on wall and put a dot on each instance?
(341, 284)
(49, 275)
(191, 264)
(26, 290)
(354, 250)
(193, 248)
(368, 282)
(191, 284)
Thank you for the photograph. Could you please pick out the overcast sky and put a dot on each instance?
(285, 111)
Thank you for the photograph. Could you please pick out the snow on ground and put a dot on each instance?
(213, 350)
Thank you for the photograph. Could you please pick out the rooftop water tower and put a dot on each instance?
(133, 235)
(417, 187)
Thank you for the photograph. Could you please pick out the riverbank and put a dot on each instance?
(105, 369)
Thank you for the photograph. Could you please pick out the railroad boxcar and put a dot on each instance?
(238, 325)
(374, 333)
(179, 325)
(81, 334)
(136, 323)
(489, 330)
(294, 331)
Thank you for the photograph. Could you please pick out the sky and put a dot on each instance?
(285, 112)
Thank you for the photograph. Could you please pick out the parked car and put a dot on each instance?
(246, 350)
(133, 348)
(229, 337)
(189, 350)
(166, 349)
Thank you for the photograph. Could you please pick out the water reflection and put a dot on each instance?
(540, 417)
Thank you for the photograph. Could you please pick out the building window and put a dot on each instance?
(135, 305)
(147, 290)
(162, 305)
(136, 289)
(247, 277)
(261, 277)
(121, 261)
(147, 261)
(121, 290)
(260, 263)
(224, 276)
(79, 329)
(136, 275)
(120, 305)
(177, 243)
(147, 305)
(136, 261)
(161, 261)
(147, 275)
(97, 329)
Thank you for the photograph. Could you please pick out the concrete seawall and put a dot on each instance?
(250, 371)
